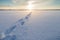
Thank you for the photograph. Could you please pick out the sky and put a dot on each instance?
(25, 4)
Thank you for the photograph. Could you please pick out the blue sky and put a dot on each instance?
(37, 3)
(5, 2)
(56, 2)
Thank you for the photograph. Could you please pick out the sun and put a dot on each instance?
(30, 5)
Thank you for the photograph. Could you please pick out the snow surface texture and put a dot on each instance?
(41, 25)
(6, 35)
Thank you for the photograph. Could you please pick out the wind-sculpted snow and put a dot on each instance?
(6, 35)
(8, 31)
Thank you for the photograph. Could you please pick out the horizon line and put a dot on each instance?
(28, 9)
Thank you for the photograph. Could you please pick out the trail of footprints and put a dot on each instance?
(6, 35)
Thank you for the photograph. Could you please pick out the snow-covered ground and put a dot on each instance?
(43, 25)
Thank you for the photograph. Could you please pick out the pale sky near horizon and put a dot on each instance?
(37, 4)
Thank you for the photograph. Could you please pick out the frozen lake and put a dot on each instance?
(43, 25)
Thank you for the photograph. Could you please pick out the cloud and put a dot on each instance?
(37, 3)
(44, 4)
(18, 2)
